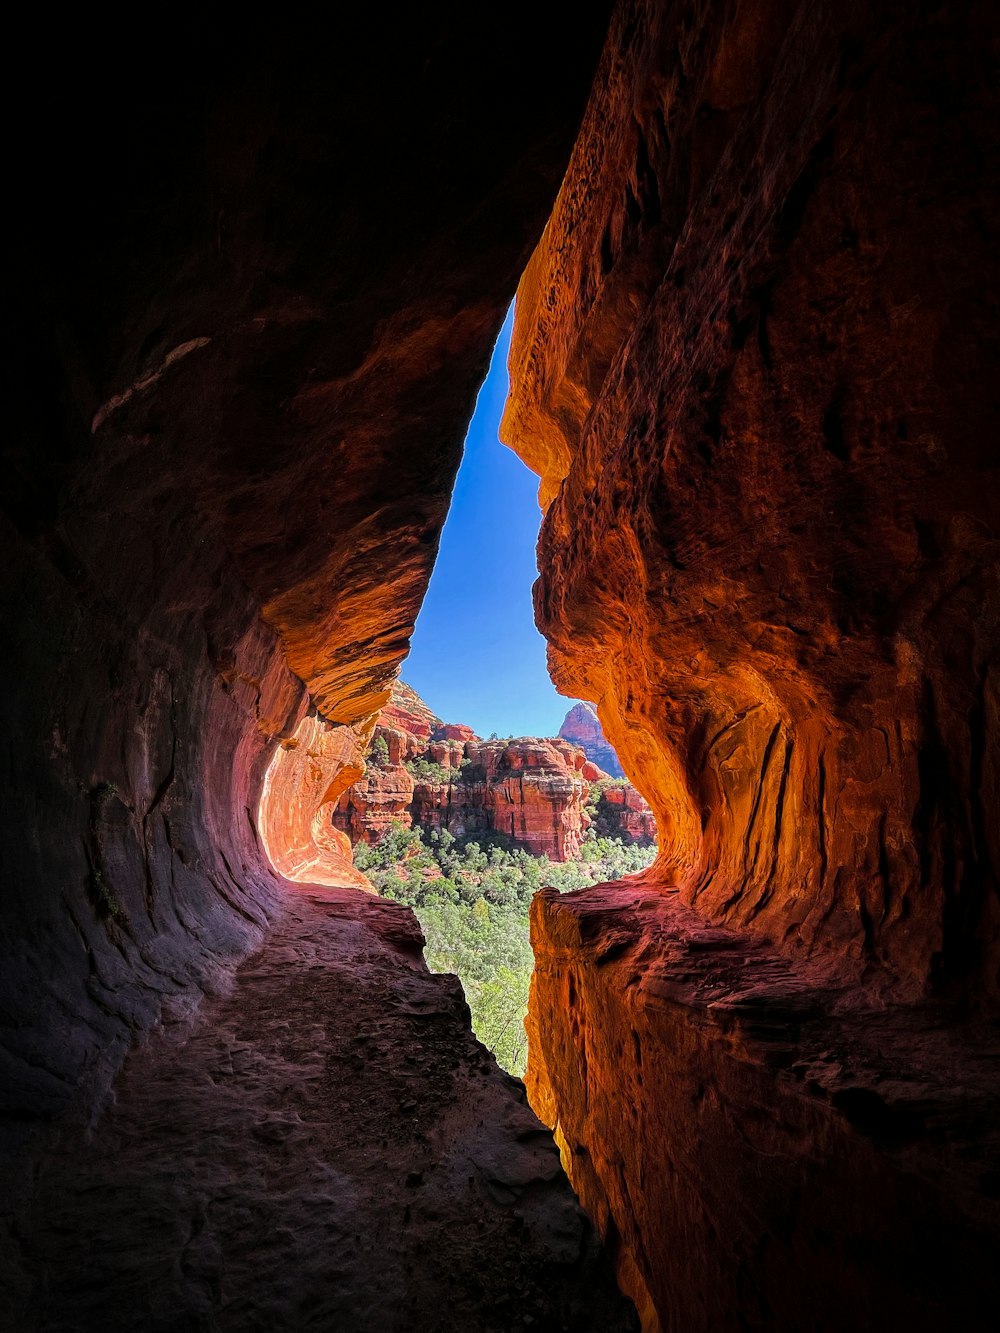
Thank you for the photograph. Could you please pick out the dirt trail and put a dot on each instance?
(328, 1148)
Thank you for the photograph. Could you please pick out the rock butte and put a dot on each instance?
(530, 789)
(582, 726)
(251, 296)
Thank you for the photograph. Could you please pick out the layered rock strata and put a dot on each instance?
(532, 790)
(434, 775)
(753, 364)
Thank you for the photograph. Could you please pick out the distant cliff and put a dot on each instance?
(582, 727)
(542, 793)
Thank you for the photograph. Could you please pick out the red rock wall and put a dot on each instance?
(754, 365)
(756, 1160)
(622, 813)
(255, 277)
(306, 776)
(532, 790)
(754, 368)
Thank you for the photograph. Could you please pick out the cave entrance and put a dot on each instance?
(471, 800)
(478, 785)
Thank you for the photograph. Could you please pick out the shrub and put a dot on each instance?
(379, 752)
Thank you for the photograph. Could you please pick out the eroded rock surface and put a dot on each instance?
(254, 278)
(754, 365)
(328, 1148)
(242, 374)
(761, 1154)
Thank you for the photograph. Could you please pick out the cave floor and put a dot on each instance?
(326, 1147)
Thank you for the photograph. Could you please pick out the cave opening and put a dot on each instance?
(481, 784)
(251, 299)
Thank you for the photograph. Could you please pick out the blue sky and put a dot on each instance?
(476, 656)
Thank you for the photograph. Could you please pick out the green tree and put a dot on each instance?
(379, 752)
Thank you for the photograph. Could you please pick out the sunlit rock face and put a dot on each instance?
(406, 712)
(304, 779)
(582, 727)
(753, 367)
(532, 790)
(257, 287)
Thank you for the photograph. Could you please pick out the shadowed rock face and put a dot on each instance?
(756, 1158)
(258, 269)
(330, 1147)
(253, 294)
(754, 365)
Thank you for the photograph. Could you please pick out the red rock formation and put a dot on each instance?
(533, 791)
(530, 790)
(405, 711)
(244, 372)
(759, 425)
(582, 727)
(305, 778)
(623, 813)
(454, 731)
(753, 364)
(251, 298)
(759, 1161)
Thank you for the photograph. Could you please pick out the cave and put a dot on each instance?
(255, 273)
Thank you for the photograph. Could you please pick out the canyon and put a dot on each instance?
(754, 365)
(531, 791)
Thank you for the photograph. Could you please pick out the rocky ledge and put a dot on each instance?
(327, 1147)
(705, 1087)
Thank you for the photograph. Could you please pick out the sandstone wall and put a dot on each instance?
(755, 1159)
(753, 365)
(255, 276)
(435, 775)
(531, 790)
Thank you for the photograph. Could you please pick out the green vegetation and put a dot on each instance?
(107, 903)
(379, 752)
(427, 770)
(472, 900)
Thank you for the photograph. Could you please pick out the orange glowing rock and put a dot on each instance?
(303, 782)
